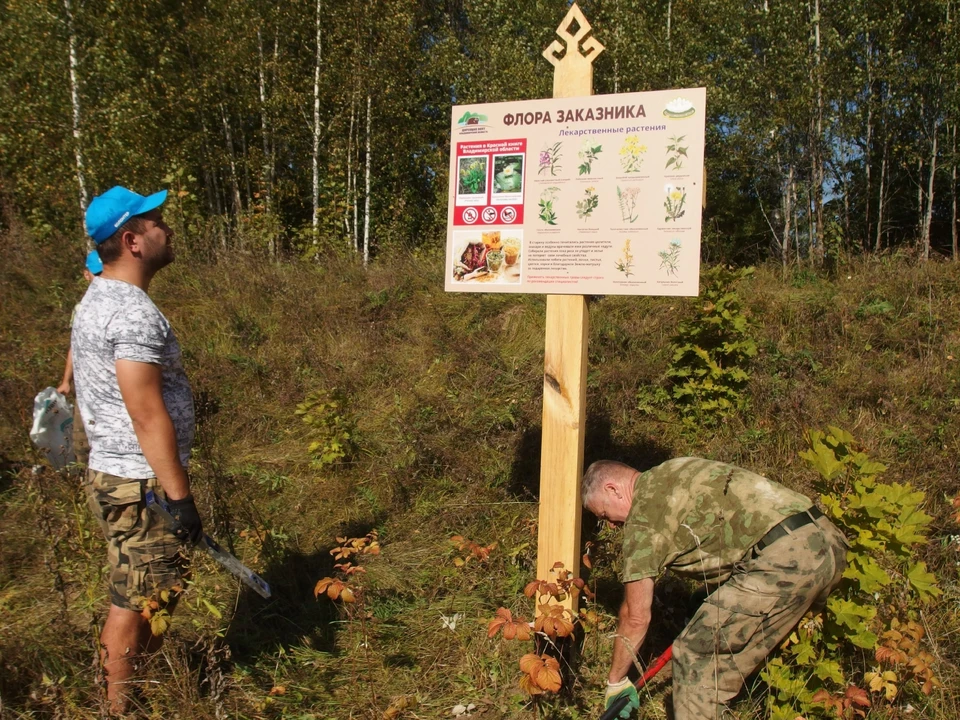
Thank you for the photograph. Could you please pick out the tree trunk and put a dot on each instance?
(246, 167)
(366, 204)
(787, 218)
(928, 216)
(316, 129)
(234, 181)
(953, 194)
(817, 145)
(75, 104)
(265, 129)
(868, 155)
(882, 198)
(356, 196)
(351, 232)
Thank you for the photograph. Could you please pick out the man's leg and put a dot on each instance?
(748, 616)
(120, 645)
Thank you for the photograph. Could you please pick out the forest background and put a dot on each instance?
(340, 391)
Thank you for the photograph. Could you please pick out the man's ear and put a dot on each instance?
(611, 487)
(130, 240)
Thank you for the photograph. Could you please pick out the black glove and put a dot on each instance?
(186, 520)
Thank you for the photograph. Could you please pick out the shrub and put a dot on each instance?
(711, 352)
(881, 586)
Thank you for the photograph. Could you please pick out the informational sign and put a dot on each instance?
(594, 195)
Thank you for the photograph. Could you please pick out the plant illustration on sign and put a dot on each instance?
(588, 204)
(473, 176)
(676, 199)
(669, 258)
(550, 159)
(587, 154)
(625, 263)
(547, 213)
(508, 174)
(628, 203)
(676, 153)
(631, 154)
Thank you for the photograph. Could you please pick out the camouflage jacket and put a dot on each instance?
(698, 517)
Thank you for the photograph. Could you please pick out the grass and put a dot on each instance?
(443, 391)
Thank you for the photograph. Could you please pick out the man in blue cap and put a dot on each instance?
(137, 407)
(81, 448)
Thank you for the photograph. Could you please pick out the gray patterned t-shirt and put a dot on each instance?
(118, 321)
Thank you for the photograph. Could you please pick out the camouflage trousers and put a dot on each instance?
(143, 553)
(744, 619)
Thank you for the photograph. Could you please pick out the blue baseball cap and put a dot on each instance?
(94, 263)
(109, 211)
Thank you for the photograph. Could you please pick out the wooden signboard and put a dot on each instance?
(570, 196)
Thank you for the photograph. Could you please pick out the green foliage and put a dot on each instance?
(332, 427)
(711, 351)
(884, 525)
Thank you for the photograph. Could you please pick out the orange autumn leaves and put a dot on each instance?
(512, 628)
(541, 673)
(337, 589)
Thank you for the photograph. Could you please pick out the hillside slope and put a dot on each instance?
(440, 395)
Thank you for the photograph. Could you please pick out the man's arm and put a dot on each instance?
(632, 628)
(141, 386)
(64, 387)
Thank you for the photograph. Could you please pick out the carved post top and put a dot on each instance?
(573, 30)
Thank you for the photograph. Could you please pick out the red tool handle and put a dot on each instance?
(655, 667)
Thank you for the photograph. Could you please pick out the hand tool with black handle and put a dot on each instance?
(248, 576)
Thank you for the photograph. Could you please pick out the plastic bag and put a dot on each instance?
(52, 430)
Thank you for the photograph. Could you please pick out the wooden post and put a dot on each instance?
(565, 357)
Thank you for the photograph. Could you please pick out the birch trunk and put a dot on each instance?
(928, 216)
(787, 217)
(351, 232)
(818, 173)
(228, 141)
(75, 105)
(316, 130)
(882, 198)
(366, 204)
(264, 128)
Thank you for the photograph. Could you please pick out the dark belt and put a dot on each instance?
(794, 522)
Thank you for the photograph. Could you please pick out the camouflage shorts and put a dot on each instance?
(744, 619)
(143, 553)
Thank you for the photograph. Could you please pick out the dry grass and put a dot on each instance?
(444, 394)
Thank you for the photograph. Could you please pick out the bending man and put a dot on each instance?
(767, 553)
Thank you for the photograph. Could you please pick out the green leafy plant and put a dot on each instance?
(588, 152)
(676, 153)
(711, 351)
(473, 176)
(547, 212)
(588, 204)
(884, 525)
(333, 428)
